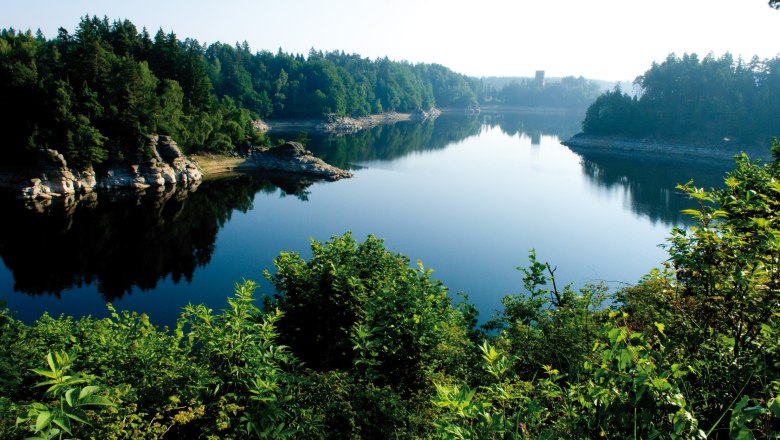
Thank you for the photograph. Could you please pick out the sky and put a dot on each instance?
(613, 40)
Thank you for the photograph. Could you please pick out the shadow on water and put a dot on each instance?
(649, 181)
(123, 241)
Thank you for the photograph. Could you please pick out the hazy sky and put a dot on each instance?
(599, 39)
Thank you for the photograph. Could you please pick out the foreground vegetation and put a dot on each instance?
(358, 343)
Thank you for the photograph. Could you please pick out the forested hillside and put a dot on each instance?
(96, 94)
(688, 98)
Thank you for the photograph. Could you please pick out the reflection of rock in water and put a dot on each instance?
(293, 187)
(119, 241)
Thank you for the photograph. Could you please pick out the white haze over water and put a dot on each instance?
(599, 39)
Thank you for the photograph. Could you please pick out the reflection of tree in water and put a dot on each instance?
(649, 181)
(124, 241)
(536, 124)
(388, 142)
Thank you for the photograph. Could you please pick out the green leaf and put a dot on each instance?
(45, 373)
(691, 212)
(93, 400)
(743, 434)
(88, 390)
(79, 416)
(43, 420)
(774, 407)
(63, 423)
(52, 364)
(69, 396)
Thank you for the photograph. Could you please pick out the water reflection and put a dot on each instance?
(123, 241)
(649, 181)
(387, 142)
(562, 124)
(117, 244)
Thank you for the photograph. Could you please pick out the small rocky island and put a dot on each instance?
(291, 158)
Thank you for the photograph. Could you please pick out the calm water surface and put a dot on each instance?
(467, 196)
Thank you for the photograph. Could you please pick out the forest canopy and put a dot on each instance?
(96, 94)
(692, 98)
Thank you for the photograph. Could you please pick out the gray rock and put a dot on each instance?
(164, 165)
(288, 149)
(292, 158)
(168, 149)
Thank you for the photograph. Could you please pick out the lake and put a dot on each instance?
(468, 196)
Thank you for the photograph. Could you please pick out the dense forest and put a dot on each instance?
(96, 94)
(358, 343)
(692, 99)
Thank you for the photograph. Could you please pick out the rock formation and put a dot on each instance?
(292, 157)
(164, 165)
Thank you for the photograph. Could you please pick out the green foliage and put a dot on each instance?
(357, 306)
(95, 95)
(625, 390)
(719, 294)
(693, 99)
(71, 401)
(545, 326)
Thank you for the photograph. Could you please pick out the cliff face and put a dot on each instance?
(166, 165)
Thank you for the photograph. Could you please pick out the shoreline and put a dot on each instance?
(715, 151)
(52, 178)
(344, 124)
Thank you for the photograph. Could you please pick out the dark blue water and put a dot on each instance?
(467, 196)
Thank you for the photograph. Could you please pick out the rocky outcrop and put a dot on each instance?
(167, 165)
(164, 165)
(293, 158)
(429, 115)
(56, 180)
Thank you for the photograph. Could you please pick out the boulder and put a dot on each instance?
(168, 149)
(288, 149)
(292, 158)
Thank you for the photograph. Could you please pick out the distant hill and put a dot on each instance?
(498, 82)
(570, 92)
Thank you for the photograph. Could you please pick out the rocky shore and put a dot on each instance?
(289, 158)
(345, 124)
(164, 165)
